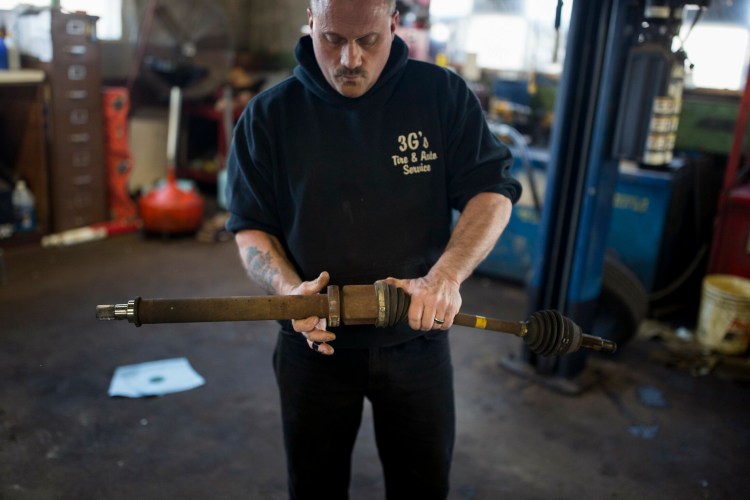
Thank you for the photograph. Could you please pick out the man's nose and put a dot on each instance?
(351, 55)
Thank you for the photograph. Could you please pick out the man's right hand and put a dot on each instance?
(314, 328)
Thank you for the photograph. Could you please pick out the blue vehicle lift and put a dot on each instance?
(581, 179)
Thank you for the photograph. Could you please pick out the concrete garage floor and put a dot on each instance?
(62, 437)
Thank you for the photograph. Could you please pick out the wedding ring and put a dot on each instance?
(439, 321)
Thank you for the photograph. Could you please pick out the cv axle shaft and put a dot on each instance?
(545, 332)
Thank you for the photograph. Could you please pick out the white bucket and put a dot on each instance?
(724, 318)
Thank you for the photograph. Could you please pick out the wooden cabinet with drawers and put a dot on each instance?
(78, 192)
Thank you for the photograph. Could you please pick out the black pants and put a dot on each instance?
(410, 386)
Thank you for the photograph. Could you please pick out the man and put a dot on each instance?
(346, 173)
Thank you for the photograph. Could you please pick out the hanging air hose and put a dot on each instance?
(518, 141)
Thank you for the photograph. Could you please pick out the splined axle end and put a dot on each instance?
(127, 311)
(105, 312)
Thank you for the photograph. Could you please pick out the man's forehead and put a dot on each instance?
(352, 18)
(322, 3)
(361, 6)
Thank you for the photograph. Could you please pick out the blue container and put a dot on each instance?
(514, 91)
(647, 221)
(638, 232)
(513, 254)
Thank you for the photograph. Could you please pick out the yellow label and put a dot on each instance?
(480, 322)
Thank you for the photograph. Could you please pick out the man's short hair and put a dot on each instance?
(392, 4)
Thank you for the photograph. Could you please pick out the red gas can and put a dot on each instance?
(170, 209)
(732, 246)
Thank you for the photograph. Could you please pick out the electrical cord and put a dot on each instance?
(664, 292)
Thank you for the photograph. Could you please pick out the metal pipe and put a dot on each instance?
(546, 332)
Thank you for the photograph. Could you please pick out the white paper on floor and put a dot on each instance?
(154, 378)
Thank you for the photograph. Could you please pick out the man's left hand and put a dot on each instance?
(435, 301)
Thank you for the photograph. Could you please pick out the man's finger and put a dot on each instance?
(320, 336)
(320, 347)
(428, 318)
(322, 280)
(415, 316)
(313, 286)
(394, 281)
(305, 325)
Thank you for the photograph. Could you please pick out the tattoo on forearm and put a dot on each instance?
(260, 268)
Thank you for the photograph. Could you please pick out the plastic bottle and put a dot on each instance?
(3, 50)
(24, 208)
(14, 56)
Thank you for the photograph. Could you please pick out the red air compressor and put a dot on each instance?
(730, 247)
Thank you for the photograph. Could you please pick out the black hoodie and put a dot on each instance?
(363, 187)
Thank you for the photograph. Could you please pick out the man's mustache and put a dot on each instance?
(349, 72)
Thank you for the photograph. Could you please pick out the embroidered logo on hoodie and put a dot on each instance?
(414, 154)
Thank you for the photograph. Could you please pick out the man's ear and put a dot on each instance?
(394, 23)
(309, 18)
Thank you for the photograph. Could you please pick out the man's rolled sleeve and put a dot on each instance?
(250, 193)
(479, 162)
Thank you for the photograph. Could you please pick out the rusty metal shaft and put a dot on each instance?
(381, 304)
